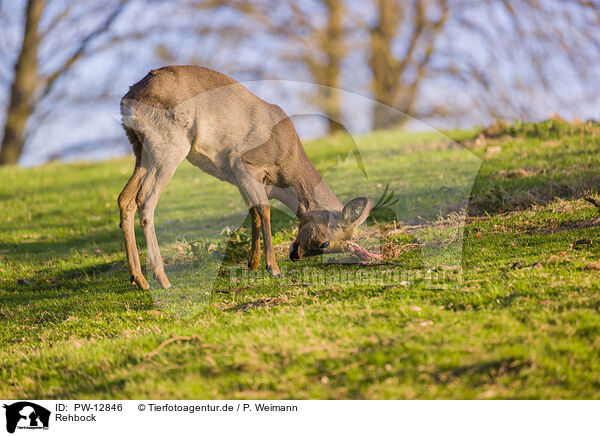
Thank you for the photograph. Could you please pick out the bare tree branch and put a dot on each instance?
(86, 41)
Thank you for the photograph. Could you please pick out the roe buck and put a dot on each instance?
(180, 112)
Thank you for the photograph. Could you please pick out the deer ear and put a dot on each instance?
(356, 211)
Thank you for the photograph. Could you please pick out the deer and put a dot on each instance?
(218, 125)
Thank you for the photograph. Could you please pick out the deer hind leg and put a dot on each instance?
(127, 206)
(154, 183)
(161, 161)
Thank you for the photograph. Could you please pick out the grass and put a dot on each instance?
(512, 310)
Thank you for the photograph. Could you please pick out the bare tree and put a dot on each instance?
(397, 79)
(489, 59)
(432, 59)
(32, 84)
(322, 52)
(23, 86)
(311, 37)
(223, 29)
(538, 55)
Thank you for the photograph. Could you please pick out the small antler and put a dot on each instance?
(592, 200)
(386, 200)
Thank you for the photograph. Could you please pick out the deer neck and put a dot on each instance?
(306, 190)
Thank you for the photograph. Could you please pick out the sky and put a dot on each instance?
(77, 125)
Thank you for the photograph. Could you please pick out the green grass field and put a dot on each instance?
(512, 310)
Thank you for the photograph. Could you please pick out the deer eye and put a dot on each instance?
(324, 245)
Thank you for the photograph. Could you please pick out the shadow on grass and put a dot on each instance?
(389, 360)
(43, 250)
(486, 369)
(500, 190)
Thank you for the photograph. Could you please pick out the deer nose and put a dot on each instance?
(294, 252)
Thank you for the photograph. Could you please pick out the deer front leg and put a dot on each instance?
(264, 211)
(255, 196)
(254, 260)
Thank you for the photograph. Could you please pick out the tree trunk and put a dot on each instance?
(384, 66)
(396, 82)
(23, 87)
(387, 117)
(335, 50)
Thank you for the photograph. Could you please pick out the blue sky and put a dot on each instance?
(75, 117)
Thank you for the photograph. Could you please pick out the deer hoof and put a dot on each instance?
(163, 281)
(274, 271)
(141, 283)
(253, 262)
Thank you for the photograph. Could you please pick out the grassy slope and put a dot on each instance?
(76, 328)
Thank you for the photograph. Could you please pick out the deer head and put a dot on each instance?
(325, 231)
